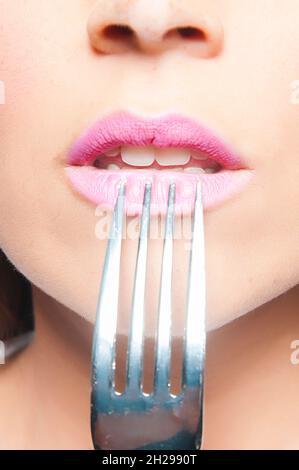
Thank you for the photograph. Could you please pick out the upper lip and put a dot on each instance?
(170, 130)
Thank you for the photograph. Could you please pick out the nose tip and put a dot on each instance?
(116, 30)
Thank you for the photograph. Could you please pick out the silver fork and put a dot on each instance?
(134, 419)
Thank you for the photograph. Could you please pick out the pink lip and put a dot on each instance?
(122, 128)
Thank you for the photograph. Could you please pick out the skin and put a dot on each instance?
(60, 73)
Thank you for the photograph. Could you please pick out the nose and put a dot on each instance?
(154, 26)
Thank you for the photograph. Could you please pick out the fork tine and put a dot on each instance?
(103, 351)
(136, 334)
(163, 354)
(112, 413)
(194, 340)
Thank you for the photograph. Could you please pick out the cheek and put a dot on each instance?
(263, 77)
(36, 38)
(18, 58)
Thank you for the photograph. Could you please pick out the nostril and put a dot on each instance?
(191, 33)
(118, 32)
(187, 32)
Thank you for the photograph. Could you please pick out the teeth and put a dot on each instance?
(112, 166)
(138, 156)
(199, 156)
(172, 156)
(143, 157)
(194, 169)
(113, 152)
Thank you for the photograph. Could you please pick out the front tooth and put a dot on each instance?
(194, 169)
(172, 156)
(210, 170)
(138, 156)
(112, 166)
(199, 156)
(113, 152)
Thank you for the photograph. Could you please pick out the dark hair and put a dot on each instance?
(16, 308)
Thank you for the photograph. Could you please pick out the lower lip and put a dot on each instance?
(101, 187)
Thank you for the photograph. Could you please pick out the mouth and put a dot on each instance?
(123, 147)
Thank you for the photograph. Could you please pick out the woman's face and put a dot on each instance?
(61, 73)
